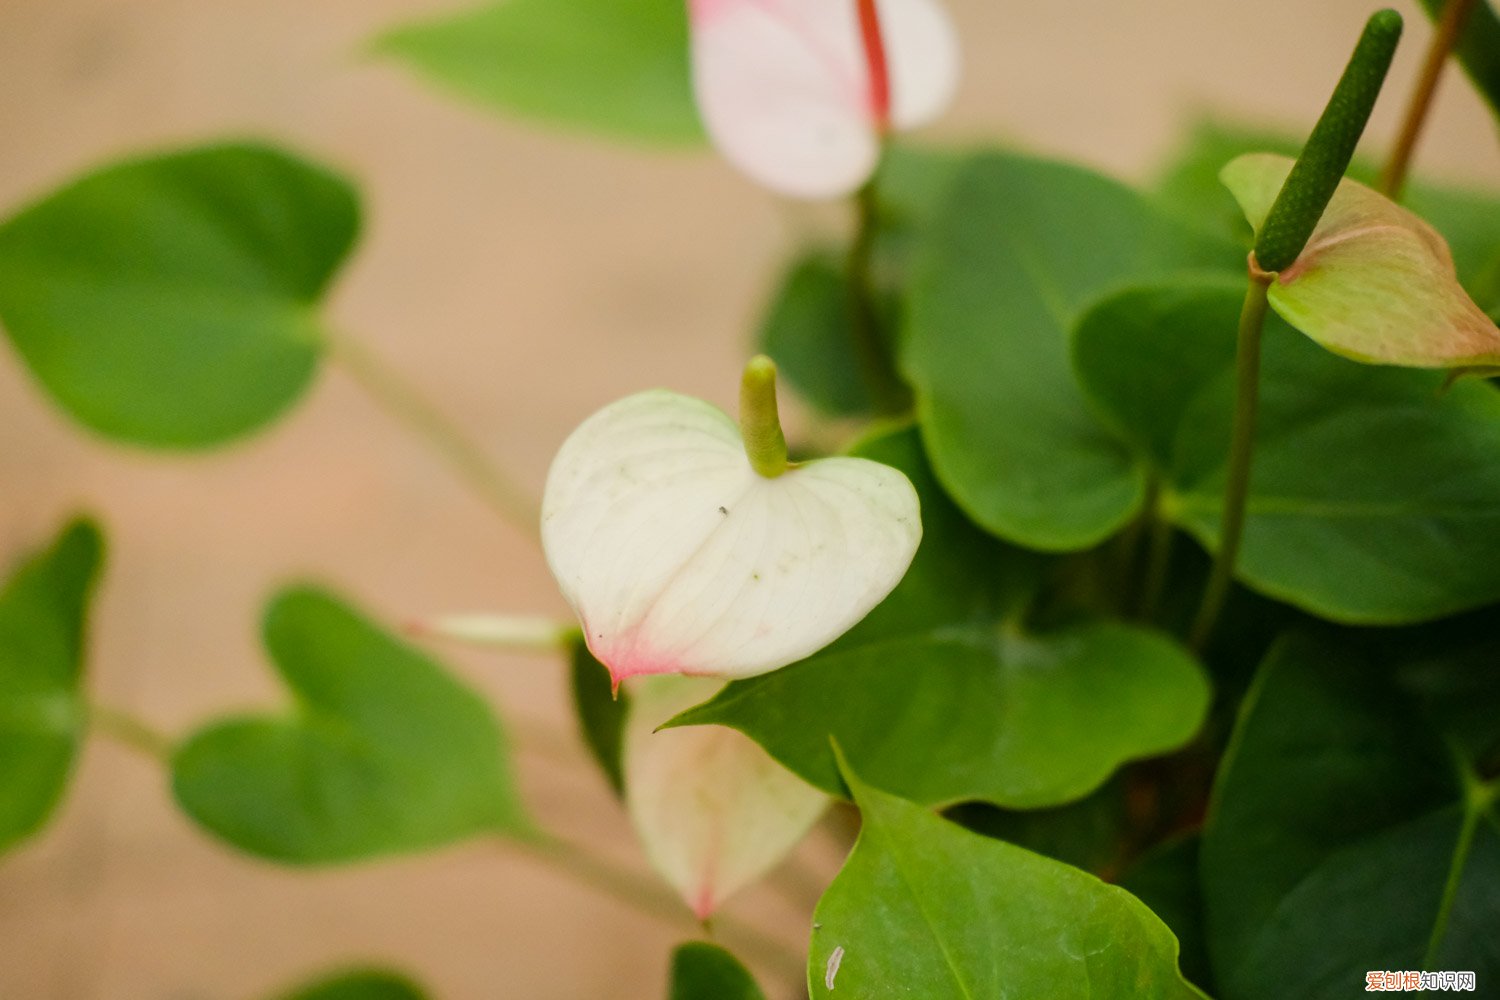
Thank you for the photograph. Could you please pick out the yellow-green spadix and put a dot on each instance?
(687, 548)
(1375, 282)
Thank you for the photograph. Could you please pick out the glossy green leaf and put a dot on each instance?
(383, 752)
(1027, 720)
(1478, 47)
(359, 984)
(43, 618)
(1468, 218)
(703, 971)
(599, 711)
(1374, 498)
(1016, 250)
(924, 908)
(1340, 833)
(172, 301)
(616, 67)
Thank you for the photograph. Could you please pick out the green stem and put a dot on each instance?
(1455, 13)
(1161, 534)
(126, 729)
(888, 393)
(651, 899)
(410, 407)
(1479, 797)
(1241, 450)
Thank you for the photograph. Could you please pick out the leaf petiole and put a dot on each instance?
(1241, 451)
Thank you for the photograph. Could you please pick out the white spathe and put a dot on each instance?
(679, 558)
(783, 86)
(712, 809)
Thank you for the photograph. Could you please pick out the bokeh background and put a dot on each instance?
(523, 278)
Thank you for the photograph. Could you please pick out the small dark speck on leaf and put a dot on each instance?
(724, 511)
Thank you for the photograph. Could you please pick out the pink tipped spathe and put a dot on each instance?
(786, 92)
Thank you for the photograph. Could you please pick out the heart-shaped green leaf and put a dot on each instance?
(924, 908)
(43, 615)
(1373, 498)
(1015, 251)
(172, 301)
(616, 67)
(384, 752)
(359, 984)
(1026, 720)
(703, 971)
(1344, 836)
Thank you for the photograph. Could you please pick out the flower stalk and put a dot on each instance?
(1282, 237)
(1241, 453)
(1455, 15)
(407, 405)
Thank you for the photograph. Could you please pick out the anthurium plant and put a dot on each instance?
(1138, 635)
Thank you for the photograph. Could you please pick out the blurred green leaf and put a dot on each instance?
(1374, 498)
(600, 712)
(926, 908)
(808, 330)
(1468, 218)
(1017, 249)
(1449, 667)
(808, 324)
(1166, 880)
(1478, 47)
(359, 984)
(1344, 837)
(1088, 833)
(43, 619)
(616, 67)
(703, 971)
(1026, 720)
(383, 752)
(172, 301)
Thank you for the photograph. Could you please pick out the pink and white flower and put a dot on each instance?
(679, 557)
(713, 811)
(798, 94)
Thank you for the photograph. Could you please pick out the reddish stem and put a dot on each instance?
(880, 72)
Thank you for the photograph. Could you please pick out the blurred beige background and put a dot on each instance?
(523, 278)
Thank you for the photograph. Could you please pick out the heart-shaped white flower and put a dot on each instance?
(712, 809)
(680, 557)
(788, 92)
